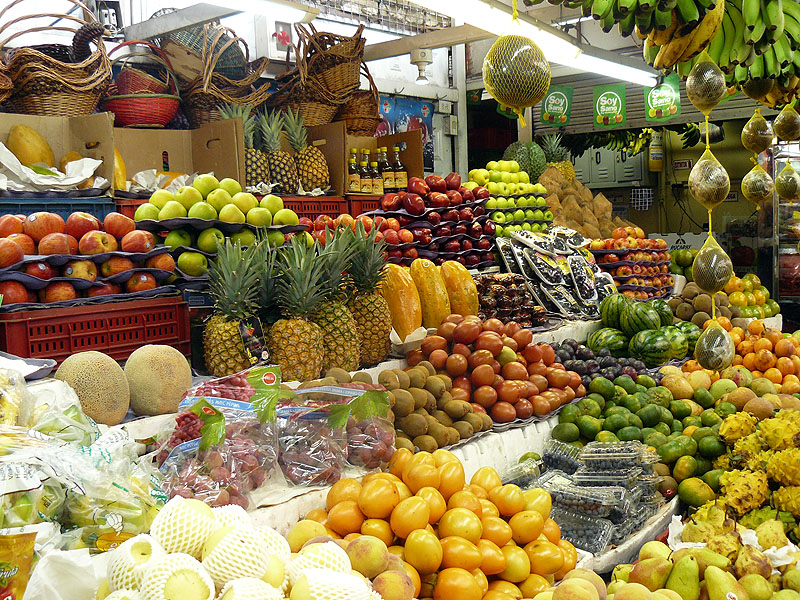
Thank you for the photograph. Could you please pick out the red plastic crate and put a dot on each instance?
(117, 329)
(313, 207)
(128, 207)
(361, 204)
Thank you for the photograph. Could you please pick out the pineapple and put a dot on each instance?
(266, 256)
(558, 156)
(232, 284)
(311, 165)
(282, 169)
(370, 309)
(340, 337)
(744, 491)
(256, 168)
(294, 341)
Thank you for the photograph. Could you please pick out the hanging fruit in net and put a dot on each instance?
(709, 183)
(787, 183)
(705, 85)
(757, 133)
(757, 89)
(757, 185)
(714, 349)
(515, 72)
(787, 124)
(712, 267)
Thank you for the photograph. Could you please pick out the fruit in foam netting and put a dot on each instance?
(233, 552)
(302, 531)
(177, 577)
(276, 573)
(129, 561)
(276, 542)
(249, 588)
(183, 525)
(123, 595)
(325, 584)
(368, 555)
(328, 555)
(230, 515)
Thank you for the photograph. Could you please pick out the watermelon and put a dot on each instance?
(638, 316)
(611, 339)
(611, 309)
(651, 347)
(691, 331)
(678, 343)
(664, 311)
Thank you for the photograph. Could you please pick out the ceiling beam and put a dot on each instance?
(434, 39)
(196, 15)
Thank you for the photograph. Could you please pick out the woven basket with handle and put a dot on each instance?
(43, 84)
(133, 80)
(332, 60)
(360, 112)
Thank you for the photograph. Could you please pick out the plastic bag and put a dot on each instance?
(787, 124)
(757, 185)
(28, 496)
(714, 349)
(16, 564)
(787, 183)
(57, 412)
(709, 182)
(712, 268)
(705, 85)
(757, 133)
(14, 397)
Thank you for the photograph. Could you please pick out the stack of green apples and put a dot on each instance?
(529, 213)
(504, 178)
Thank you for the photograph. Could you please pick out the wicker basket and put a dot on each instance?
(44, 85)
(332, 60)
(142, 110)
(360, 112)
(132, 80)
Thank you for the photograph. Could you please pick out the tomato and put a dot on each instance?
(530, 389)
(539, 500)
(485, 477)
(524, 409)
(378, 498)
(506, 587)
(420, 476)
(511, 328)
(523, 337)
(551, 530)
(489, 341)
(539, 381)
(495, 595)
(410, 514)
(451, 478)
(541, 406)
(378, 528)
(435, 502)
(508, 499)
(518, 565)
(533, 585)
(532, 353)
(446, 330)
(548, 354)
(488, 509)
(459, 394)
(493, 561)
(526, 526)
(399, 459)
(514, 370)
(456, 365)
(423, 551)
(496, 530)
(457, 584)
(495, 325)
(569, 394)
(497, 379)
(508, 391)
(460, 522)
(478, 409)
(537, 368)
(503, 412)
(344, 489)
(415, 357)
(453, 318)
(466, 332)
(485, 395)
(574, 379)
(433, 342)
(483, 374)
(480, 577)
(458, 552)
(510, 343)
(545, 557)
(462, 383)
(465, 499)
(557, 378)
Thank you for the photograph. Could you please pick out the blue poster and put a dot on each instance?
(411, 114)
(386, 114)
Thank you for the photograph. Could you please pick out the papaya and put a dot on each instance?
(434, 301)
(403, 298)
(461, 288)
(120, 173)
(29, 146)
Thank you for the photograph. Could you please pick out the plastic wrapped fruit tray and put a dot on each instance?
(524, 475)
(615, 455)
(626, 478)
(592, 501)
(200, 224)
(599, 252)
(587, 533)
(558, 455)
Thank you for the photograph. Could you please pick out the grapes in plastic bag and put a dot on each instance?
(705, 85)
(757, 185)
(787, 124)
(757, 133)
(712, 267)
(757, 88)
(787, 183)
(714, 349)
(709, 182)
(516, 72)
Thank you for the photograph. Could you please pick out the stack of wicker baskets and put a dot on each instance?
(54, 79)
(326, 79)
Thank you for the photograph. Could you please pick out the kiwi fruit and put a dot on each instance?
(430, 406)
(736, 313)
(448, 383)
(700, 318)
(464, 429)
(403, 403)
(426, 443)
(420, 397)
(306, 384)
(725, 311)
(390, 417)
(724, 300)
(402, 378)
(439, 433)
(435, 386)
(474, 420)
(428, 366)
(739, 322)
(443, 400)
(674, 303)
(662, 469)
(443, 418)
(421, 411)
(431, 421)
(702, 303)
(455, 437)
(690, 291)
(340, 375)
(457, 409)
(398, 435)
(414, 425)
(487, 422)
(392, 399)
(388, 379)
(417, 376)
(684, 311)
(403, 443)
(362, 377)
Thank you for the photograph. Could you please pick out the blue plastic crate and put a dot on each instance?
(99, 207)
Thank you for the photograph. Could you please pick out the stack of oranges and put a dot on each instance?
(480, 540)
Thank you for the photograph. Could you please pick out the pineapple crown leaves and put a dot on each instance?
(270, 128)
(300, 285)
(295, 130)
(232, 280)
(337, 253)
(232, 110)
(266, 257)
(368, 266)
(553, 150)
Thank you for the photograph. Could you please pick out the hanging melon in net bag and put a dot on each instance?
(757, 133)
(787, 183)
(516, 72)
(705, 85)
(757, 89)
(709, 183)
(714, 349)
(757, 185)
(712, 267)
(787, 124)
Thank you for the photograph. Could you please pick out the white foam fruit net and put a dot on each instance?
(181, 527)
(175, 576)
(277, 543)
(242, 552)
(249, 588)
(129, 561)
(124, 595)
(325, 584)
(327, 555)
(230, 515)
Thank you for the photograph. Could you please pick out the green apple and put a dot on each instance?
(188, 196)
(519, 215)
(498, 231)
(496, 176)
(178, 237)
(513, 166)
(505, 177)
(493, 187)
(308, 237)
(503, 189)
(536, 227)
(193, 263)
(472, 174)
(245, 237)
(524, 177)
(231, 186)
(208, 238)
(491, 203)
(160, 198)
(272, 203)
(218, 198)
(202, 210)
(245, 201)
(260, 217)
(492, 165)
(512, 202)
(512, 188)
(505, 166)
(527, 227)
(538, 215)
(470, 185)
(514, 177)
(502, 202)
(548, 215)
(146, 211)
(539, 201)
(171, 210)
(285, 216)
(498, 217)
(522, 201)
(205, 184)
(230, 213)
(529, 214)
(275, 238)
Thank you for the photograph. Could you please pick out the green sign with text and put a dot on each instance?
(609, 105)
(663, 102)
(557, 105)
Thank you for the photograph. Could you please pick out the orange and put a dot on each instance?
(773, 335)
(344, 489)
(345, 517)
(756, 374)
(764, 360)
(435, 501)
(725, 322)
(451, 478)
(458, 552)
(796, 363)
(736, 337)
(738, 331)
(420, 475)
(774, 375)
(754, 327)
(492, 559)
(790, 384)
(760, 297)
(763, 344)
(734, 285)
(745, 347)
(690, 430)
(784, 347)
(496, 530)
(552, 531)
(749, 361)
(737, 360)
(410, 514)
(526, 526)
(468, 500)
(318, 515)
(785, 366)
(378, 498)
(378, 528)
(423, 551)
(737, 299)
(506, 587)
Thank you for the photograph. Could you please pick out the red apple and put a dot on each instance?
(391, 237)
(58, 291)
(455, 197)
(443, 230)
(378, 236)
(105, 289)
(306, 222)
(450, 215)
(395, 253)
(55, 243)
(624, 271)
(391, 202)
(10, 224)
(451, 246)
(489, 228)
(115, 224)
(661, 244)
(346, 220)
(484, 244)
(438, 200)
(23, 241)
(465, 214)
(417, 185)
(597, 244)
(433, 247)
(136, 241)
(460, 229)
(10, 253)
(414, 204)
(475, 230)
(466, 245)
(466, 194)
(406, 237)
(453, 181)
(436, 183)
(40, 269)
(81, 269)
(13, 292)
(40, 224)
(410, 253)
(434, 218)
(403, 220)
(367, 222)
(478, 211)
(486, 256)
(118, 264)
(140, 282)
(480, 193)
(165, 262)
(319, 235)
(323, 221)
(380, 223)
(97, 242)
(392, 223)
(80, 223)
(619, 233)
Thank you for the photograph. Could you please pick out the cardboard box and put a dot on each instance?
(91, 136)
(216, 147)
(335, 144)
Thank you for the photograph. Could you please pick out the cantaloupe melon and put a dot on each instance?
(100, 384)
(29, 146)
(158, 376)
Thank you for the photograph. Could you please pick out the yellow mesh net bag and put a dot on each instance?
(757, 133)
(787, 124)
(757, 185)
(787, 183)
(705, 85)
(709, 183)
(714, 349)
(712, 267)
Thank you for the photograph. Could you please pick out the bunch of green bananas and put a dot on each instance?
(690, 133)
(631, 141)
(679, 42)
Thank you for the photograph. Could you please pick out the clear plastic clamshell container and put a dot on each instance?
(561, 456)
(553, 477)
(587, 533)
(592, 501)
(524, 474)
(627, 478)
(615, 455)
(648, 484)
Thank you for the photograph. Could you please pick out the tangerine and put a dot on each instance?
(764, 360)
(755, 327)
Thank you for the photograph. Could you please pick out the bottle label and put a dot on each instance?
(388, 180)
(366, 186)
(401, 180)
(377, 186)
(354, 182)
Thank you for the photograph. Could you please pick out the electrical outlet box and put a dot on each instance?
(444, 107)
(451, 125)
